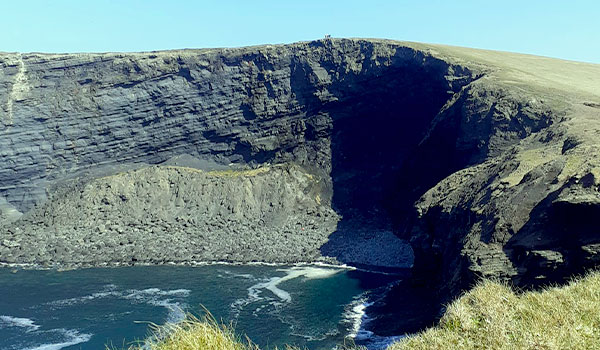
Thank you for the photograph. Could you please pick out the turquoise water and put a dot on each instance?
(310, 306)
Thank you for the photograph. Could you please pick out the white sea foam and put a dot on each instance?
(108, 291)
(71, 337)
(308, 272)
(156, 297)
(152, 293)
(356, 316)
(10, 321)
(151, 296)
(176, 313)
(272, 285)
(169, 299)
(228, 274)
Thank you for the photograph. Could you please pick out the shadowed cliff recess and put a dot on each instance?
(337, 150)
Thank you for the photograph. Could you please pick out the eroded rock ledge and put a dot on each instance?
(161, 214)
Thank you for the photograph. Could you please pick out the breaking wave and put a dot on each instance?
(151, 296)
(69, 338)
(10, 321)
(61, 337)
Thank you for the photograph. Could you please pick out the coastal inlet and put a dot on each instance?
(308, 306)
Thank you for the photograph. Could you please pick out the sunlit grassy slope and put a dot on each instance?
(492, 316)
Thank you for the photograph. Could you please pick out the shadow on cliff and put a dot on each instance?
(378, 119)
(374, 127)
(377, 122)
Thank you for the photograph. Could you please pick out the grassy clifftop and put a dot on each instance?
(492, 316)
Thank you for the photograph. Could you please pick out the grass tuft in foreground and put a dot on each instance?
(492, 316)
(195, 334)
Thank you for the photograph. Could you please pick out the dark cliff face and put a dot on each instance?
(483, 161)
(66, 113)
(348, 112)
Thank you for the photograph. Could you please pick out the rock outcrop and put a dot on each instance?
(486, 162)
(161, 214)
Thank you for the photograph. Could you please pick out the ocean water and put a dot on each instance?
(309, 306)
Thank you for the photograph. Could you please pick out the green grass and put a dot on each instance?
(494, 317)
(567, 78)
(194, 334)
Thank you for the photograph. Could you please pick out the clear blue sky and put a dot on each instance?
(555, 28)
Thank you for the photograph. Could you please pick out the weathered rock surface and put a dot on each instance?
(486, 162)
(163, 214)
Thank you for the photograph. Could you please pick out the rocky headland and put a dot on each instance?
(342, 150)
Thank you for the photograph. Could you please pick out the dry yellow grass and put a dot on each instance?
(195, 334)
(492, 316)
(236, 173)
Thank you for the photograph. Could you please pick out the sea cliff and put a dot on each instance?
(486, 163)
